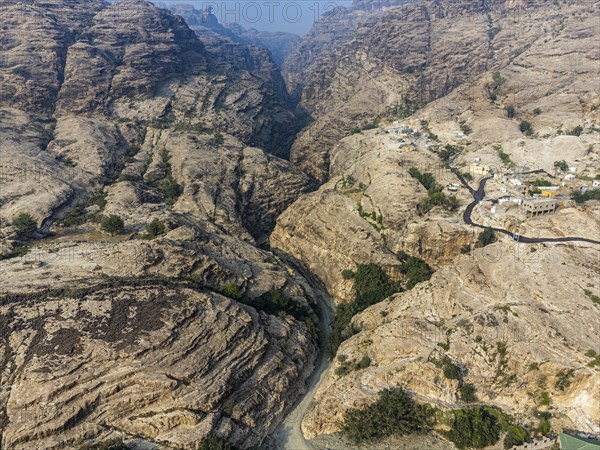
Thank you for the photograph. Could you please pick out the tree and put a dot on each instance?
(561, 165)
(526, 128)
(468, 393)
(576, 131)
(486, 237)
(112, 224)
(155, 228)
(510, 111)
(474, 428)
(394, 413)
(24, 224)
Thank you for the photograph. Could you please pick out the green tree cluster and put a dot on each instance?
(371, 285)
(475, 427)
(24, 225)
(394, 413)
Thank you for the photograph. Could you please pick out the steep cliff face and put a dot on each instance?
(442, 94)
(122, 110)
(355, 66)
(278, 43)
(511, 325)
(152, 360)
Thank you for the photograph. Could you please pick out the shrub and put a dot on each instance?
(486, 237)
(563, 380)
(474, 428)
(515, 436)
(510, 111)
(526, 128)
(155, 228)
(581, 197)
(24, 225)
(468, 393)
(170, 189)
(394, 413)
(219, 139)
(561, 165)
(112, 224)
(537, 111)
(451, 370)
(576, 131)
(212, 442)
(231, 290)
(416, 270)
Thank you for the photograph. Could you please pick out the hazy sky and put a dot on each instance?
(277, 15)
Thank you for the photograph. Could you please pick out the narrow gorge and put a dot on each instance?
(218, 237)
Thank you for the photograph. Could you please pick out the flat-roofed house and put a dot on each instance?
(537, 206)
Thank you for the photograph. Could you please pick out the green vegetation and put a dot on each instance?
(170, 189)
(504, 157)
(394, 413)
(563, 380)
(511, 112)
(581, 197)
(451, 370)
(449, 152)
(576, 131)
(212, 442)
(537, 111)
(24, 225)
(112, 224)
(526, 128)
(515, 435)
(414, 269)
(435, 196)
(466, 129)
(593, 297)
(468, 393)
(155, 229)
(474, 428)
(545, 399)
(486, 237)
(15, 252)
(595, 358)
(278, 304)
(544, 426)
(371, 285)
(347, 366)
(77, 214)
(467, 176)
(539, 182)
(499, 81)
(231, 290)
(561, 165)
(219, 138)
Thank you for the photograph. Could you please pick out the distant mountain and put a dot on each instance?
(280, 44)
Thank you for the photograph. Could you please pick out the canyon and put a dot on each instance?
(251, 172)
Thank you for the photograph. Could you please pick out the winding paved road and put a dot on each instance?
(479, 194)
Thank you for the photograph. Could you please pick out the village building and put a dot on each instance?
(569, 177)
(596, 183)
(537, 206)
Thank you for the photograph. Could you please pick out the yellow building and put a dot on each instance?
(549, 194)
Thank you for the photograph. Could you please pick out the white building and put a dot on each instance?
(569, 177)
(515, 182)
(596, 183)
